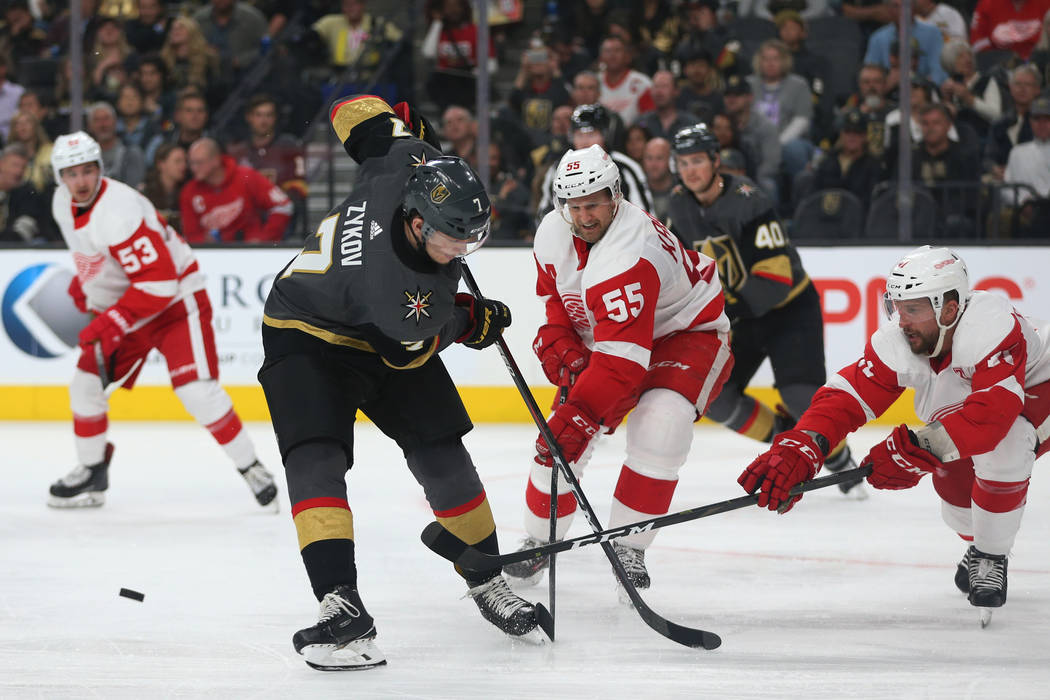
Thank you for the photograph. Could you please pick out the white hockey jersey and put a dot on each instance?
(125, 253)
(976, 391)
(636, 285)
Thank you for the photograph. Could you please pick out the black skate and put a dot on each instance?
(500, 606)
(854, 488)
(530, 571)
(962, 573)
(987, 578)
(633, 561)
(343, 638)
(84, 487)
(260, 481)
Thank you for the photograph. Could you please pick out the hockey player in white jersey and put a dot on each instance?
(141, 280)
(981, 374)
(634, 320)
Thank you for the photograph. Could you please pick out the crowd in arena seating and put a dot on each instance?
(191, 100)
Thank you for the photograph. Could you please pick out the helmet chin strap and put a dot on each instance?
(942, 332)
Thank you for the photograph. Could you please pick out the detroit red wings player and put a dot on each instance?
(981, 374)
(633, 321)
(142, 282)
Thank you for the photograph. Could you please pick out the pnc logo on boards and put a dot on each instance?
(38, 315)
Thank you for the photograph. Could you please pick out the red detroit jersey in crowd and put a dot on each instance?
(234, 208)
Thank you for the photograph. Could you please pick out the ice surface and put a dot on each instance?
(836, 599)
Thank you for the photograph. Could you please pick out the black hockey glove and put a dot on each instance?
(488, 318)
(417, 124)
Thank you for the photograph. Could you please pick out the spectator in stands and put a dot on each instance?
(571, 58)
(279, 157)
(656, 162)
(42, 107)
(976, 98)
(545, 155)
(701, 32)
(1014, 126)
(944, 17)
(164, 181)
(27, 131)
(1029, 164)
(757, 134)
(1007, 26)
(586, 90)
(10, 93)
(58, 31)
(938, 160)
(25, 216)
(460, 130)
(157, 95)
(229, 202)
(634, 143)
(809, 9)
(62, 96)
(452, 42)
(871, 100)
(657, 25)
(869, 14)
(666, 119)
(236, 30)
(813, 68)
(640, 56)
(19, 35)
(191, 61)
(623, 90)
(135, 127)
(850, 166)
(586, 20)
(511, 213)
(124, 163)
(538, 91)
(724, 129)
(190, 121)
(147, 31)
(105, 65)
(699, 92)
(356, 38)
(929, 42)
(786, 101)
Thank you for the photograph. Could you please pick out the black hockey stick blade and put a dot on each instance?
(443, 543)
(470, 558)
(545, 620)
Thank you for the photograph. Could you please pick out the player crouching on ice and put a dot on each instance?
(634, 320)
(356, 321)
(140, 279)
(980, 372)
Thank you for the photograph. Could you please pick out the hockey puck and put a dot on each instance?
(134, 595)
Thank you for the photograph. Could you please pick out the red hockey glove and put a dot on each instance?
(488, 318)
(898, 462)
(793, 458)
(77, 294)
(417, 124)
(108, 328)
(572, 427)
(561, 353)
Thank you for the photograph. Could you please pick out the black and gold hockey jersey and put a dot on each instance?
(759, 267)
(357, 282)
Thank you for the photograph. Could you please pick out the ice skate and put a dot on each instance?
(633, 561)
(530, 571)
(854, 488)
(84, 487)
(343, 638)
(500, 606)
(987, 582)
(260, 481)
(962, 573)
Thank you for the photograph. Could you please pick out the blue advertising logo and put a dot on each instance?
(38, 314)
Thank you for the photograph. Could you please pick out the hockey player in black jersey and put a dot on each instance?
(356, 321)
(770, 300)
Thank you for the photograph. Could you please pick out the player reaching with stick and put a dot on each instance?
(980, 371)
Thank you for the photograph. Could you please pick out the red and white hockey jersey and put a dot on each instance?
(125, 253)
(630, 97)
(636, 285)
(976, 391)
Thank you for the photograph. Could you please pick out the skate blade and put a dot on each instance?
(986, 617)
(535, 638)
(357, 655)
(88, 499)
(272, 507)
(525, 582)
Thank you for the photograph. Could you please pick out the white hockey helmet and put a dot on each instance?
(74, 149)
(586, 171)
(929, 273)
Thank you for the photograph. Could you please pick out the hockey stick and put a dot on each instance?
(467, 557)
(563, 396)
(676, 633)
(100, 364)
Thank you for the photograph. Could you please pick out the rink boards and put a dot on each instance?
(40, 325)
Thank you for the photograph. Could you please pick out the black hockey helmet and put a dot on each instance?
(448, 194)
(696, 139)
(587, 118)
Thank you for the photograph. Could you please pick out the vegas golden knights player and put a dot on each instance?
(356, 321)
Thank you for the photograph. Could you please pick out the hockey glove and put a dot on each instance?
(488, 318)
(561, 353)
(572, 427)
(793, 458)
(417, 124)
(77, 294)
(108, 329)
(898, 462)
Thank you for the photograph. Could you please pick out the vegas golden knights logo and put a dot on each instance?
(723, 251)
(439, 194)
